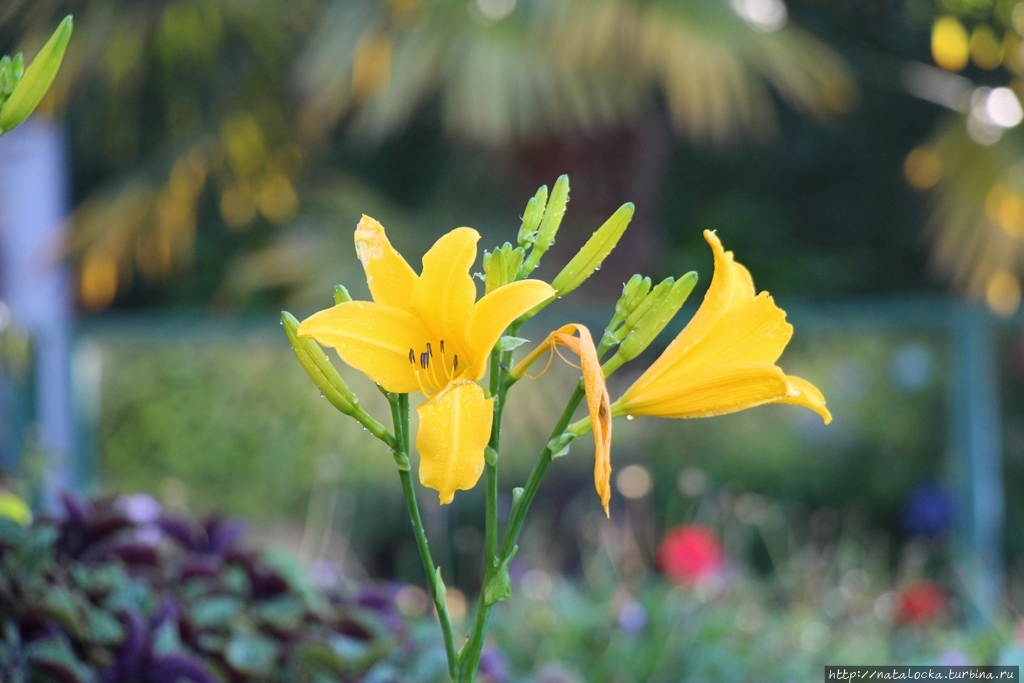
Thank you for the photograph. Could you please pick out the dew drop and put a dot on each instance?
(629, 417)
(322, 395)
(597, 267)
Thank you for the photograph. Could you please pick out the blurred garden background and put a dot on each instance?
(200, 164)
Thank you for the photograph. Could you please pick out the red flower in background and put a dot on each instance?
(920, 603)
(690, 554)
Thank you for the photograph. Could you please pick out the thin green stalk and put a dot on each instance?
(470, 658)
(515, 522)
(400, 415)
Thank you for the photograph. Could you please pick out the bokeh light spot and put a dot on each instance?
(98, 280)
(985, 49)
(495, 10)
(950, 44)
(764, 15)
(633, 481)
(922, 168)
(1002, 294)
(1003, 108)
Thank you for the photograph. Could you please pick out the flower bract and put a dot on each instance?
(724, 359)
(428, 333)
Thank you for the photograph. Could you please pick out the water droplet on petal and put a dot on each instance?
(629, 417)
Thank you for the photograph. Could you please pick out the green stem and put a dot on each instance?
(470, 658)
(515, 522)
(400, 415)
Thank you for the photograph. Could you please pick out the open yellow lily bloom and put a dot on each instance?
(724, 359)
(428, 333)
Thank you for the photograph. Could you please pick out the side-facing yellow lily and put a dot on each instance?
(428, 333)
(724, 359)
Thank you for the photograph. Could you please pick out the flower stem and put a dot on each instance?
(470, 658)
(400, 415)
(515, 522)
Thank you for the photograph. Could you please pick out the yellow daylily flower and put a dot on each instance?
(428, 333)
(724, 359)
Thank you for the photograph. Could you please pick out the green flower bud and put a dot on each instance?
(341, 295)
(532, 216)
(553, 214)
(495, 268)
(499, 587)
(657, 318)
(659, 292)
(11, 71)
(633, 293)
(319, 368)
(36, 80)
(594, 252)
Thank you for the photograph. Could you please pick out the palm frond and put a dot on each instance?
(562, 67)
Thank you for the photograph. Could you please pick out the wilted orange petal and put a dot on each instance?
(598, 400)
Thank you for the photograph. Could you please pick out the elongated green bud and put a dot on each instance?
(594, 252)
(37, 79)
(495, 269)
(319, 368)
(532, 216)
(553, 214)
(653, 299)
(11, 71)
(657, 318)
(341, 295)
(633, 293)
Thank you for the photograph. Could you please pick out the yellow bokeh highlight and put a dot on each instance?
(986, 51)
(1005, 207)
(371, 66)
(1002, 294)
(98, 280)
(950, 44)
(237, 206)
(278, 201)
(922, 168)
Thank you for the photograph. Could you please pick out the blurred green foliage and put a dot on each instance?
(237, 427)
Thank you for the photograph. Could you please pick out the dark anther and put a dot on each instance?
(430, 351)
(424, 360)
(412, 356)
(442, 346)
(455, 363)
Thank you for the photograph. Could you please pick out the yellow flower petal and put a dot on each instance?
(389, 276)
(731, 286)
(754, 331)
(493, 313)
(454, 429)
(715, 391)
(373, 338)
(808, 396)
(444, 294)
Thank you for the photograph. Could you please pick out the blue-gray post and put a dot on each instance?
(34, 281)
(977, 448)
